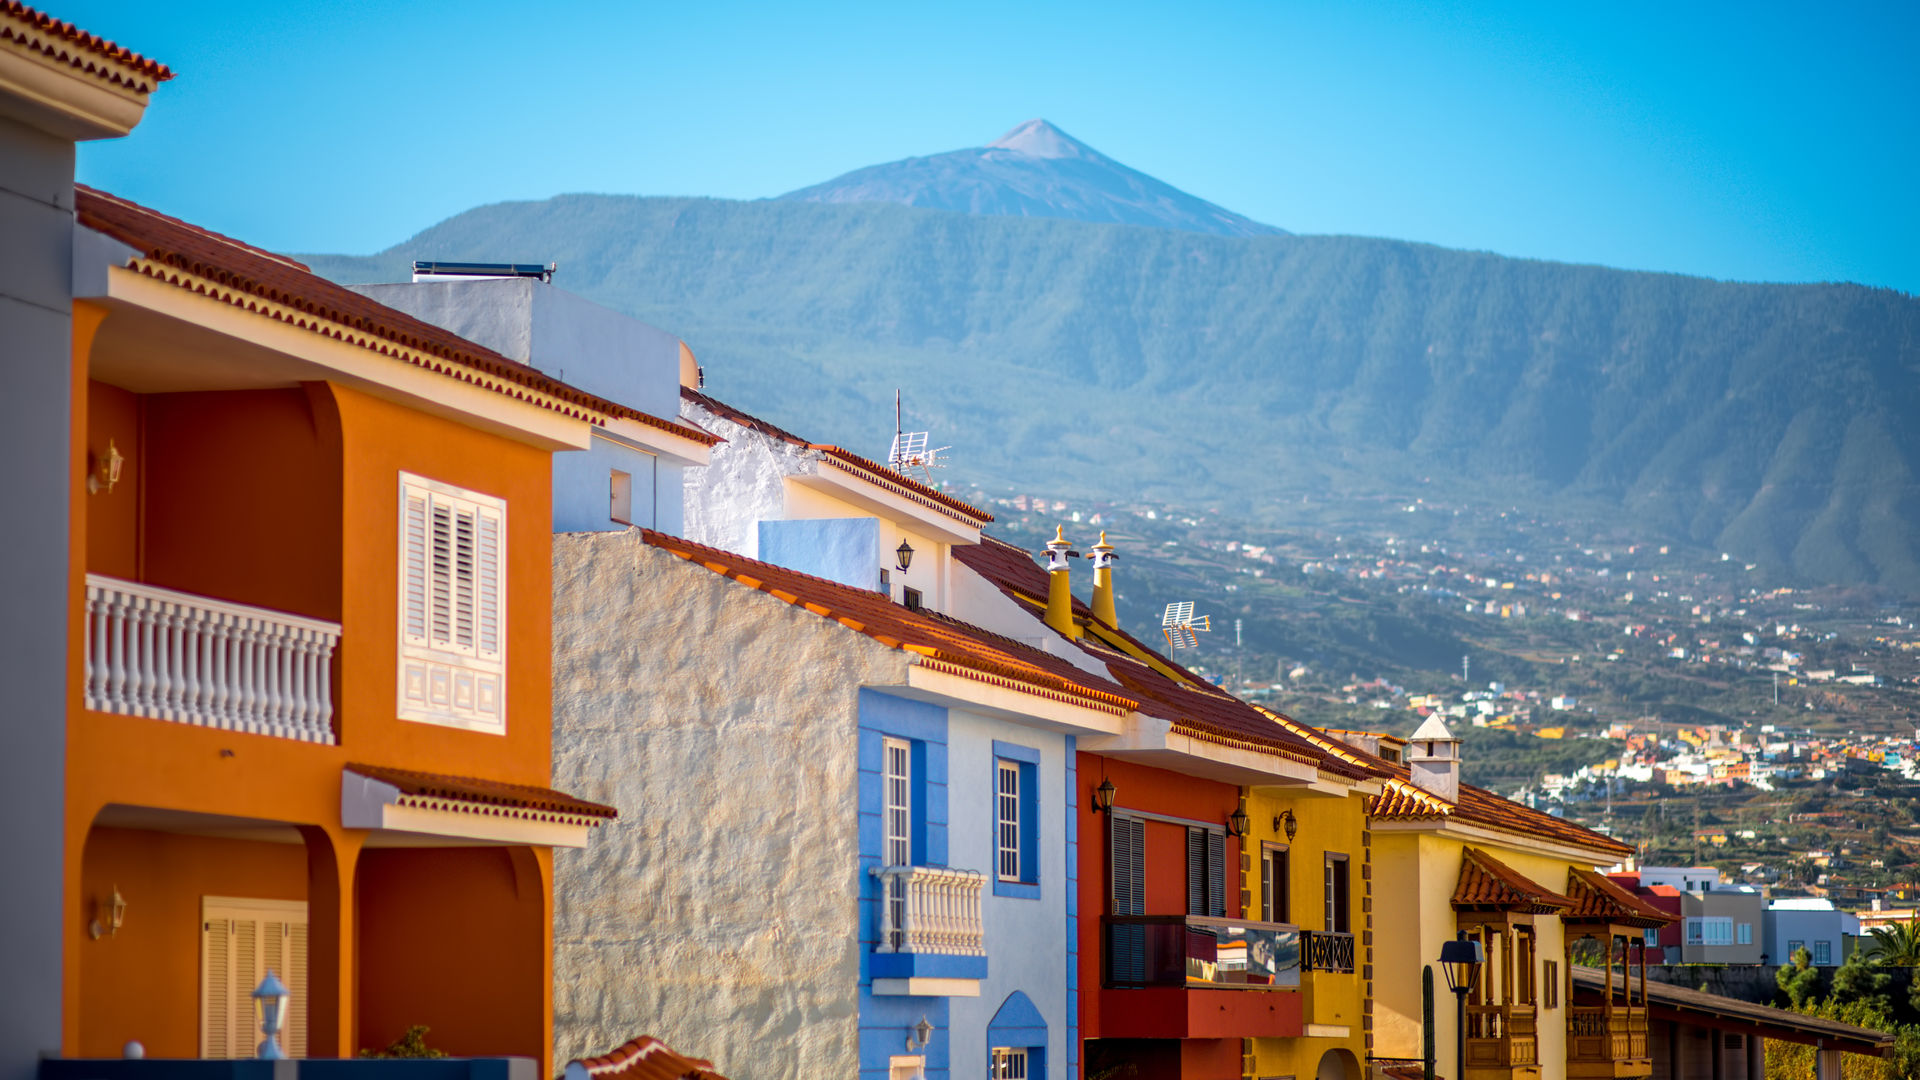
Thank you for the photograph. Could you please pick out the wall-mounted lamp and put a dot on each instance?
(919, 1035)
(106, 472)
(1103, 797)
(108, 915)
(904, 555)
(1285, 822)
(1237, 822)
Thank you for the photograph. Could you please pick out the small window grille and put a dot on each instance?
(1009, 1063)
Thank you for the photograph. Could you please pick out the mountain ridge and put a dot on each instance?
(1034, 170)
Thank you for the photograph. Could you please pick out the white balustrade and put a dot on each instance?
(170, 655)
(938, 910)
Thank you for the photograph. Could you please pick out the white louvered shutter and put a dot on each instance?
(216, 989)
(240, 941)
(452, 606)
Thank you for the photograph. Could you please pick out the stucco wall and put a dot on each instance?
(582, 488)
(36, 217)
(744, 484)
(719, 912)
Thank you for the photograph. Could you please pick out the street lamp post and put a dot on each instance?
(1461, 960)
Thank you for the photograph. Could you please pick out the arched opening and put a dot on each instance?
(1017, 1040)
(1338, 1064)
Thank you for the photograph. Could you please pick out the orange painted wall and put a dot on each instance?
(242, 498)
(450, 938)
(143, 983)
(113, 517)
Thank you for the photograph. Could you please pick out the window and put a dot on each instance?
(1009, 1063)
(1744, 933)
(1523, 968)
(1822, 953)
(1652, 938)
(1016, 820)
(1551, 984)
(1794, 947)
(1710, 930)
(1009, 824)
(910, 598)
(453, 606)
(1337, 904)
(620, 497)
(1206, 872)
(240, 941)
(897, 825)
(1274, 884)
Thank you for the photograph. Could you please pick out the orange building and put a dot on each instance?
(308, 710)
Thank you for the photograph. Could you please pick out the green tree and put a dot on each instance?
(1799, 979)
(1897, 944)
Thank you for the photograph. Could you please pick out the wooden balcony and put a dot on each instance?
(1502, 1040)
(1607, 1042)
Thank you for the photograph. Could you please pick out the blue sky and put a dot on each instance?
(1751, 141)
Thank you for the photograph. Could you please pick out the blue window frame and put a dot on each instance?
(1016, 820)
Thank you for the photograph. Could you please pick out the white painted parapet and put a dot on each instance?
(931, 910)
(169, 655)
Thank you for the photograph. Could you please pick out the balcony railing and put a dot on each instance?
(1194, 950)
(1502, 1035)
(1595, 1035)
(170, 655)
(930, 909)
(1326, 950)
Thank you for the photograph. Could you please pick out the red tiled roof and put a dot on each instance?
(1402, 800)
(90, 53)
(868, 469)
(943, 641)
(1598, 898)
(494, 793)
(329, 309)
(1196, 707)
(1487, 883)
(644, 1058)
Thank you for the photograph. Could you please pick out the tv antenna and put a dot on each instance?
(910, 450)
(1180, 627)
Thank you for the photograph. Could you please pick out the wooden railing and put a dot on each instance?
(1502, 1035)
(1326, 950)
(930, 909)
(1594, 1034)
(170, 655)
(1200, 951)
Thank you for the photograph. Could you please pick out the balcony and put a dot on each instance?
(1502, 1037)
(930, 941)
(1326, 950)
(1607, 1042)
(173, 656)
(1194, 977)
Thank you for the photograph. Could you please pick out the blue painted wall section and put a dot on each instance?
(582, 489)
(1073, 909)
(884, 1021)
(846, 550)
(1018, 1024)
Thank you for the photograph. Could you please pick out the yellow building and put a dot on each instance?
(1449, 858)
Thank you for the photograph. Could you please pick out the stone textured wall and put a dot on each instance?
(719, 912)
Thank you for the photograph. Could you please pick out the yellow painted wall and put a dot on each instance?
(1325, 824)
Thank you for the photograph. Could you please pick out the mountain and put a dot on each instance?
(1035, 170)
(1773, 422)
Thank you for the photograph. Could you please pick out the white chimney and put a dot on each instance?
(1433, 756)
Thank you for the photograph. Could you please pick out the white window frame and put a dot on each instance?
(896, 827)
(452, 608)
(1009, 1063)
(1743, 933)
(1710, 931)
(1007, 832)
(1822, 952)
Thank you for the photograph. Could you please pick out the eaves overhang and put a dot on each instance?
(1150, 740)
(1468, 832)
(840, 480)
(958, 687)
(405, 814)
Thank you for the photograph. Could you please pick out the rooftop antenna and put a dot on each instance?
(1180, 627)
(910, 449)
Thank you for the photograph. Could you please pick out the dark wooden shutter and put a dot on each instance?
(1266, 886)
(1127, 944)
(1197, 883)
(1216, 874)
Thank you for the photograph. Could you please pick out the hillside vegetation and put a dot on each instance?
(1242, 373)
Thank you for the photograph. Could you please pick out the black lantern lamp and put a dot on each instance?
(1237, 822)
(1286, 822)
(1461, 959)
(1103, 797)
(904, 555)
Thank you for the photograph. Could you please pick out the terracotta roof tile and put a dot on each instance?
(1402, 800)
(90, 53)
(1487, 883)
(253, 273)
(866, 467)
(1598, 898)
(644, 1058)
(942, 640)
(471, 789)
